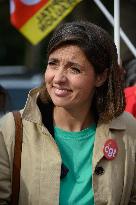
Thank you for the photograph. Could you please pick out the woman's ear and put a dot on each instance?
(101, 78)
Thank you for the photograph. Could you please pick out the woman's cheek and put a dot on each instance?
(47, 76)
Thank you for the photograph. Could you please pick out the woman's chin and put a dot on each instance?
(60, 103)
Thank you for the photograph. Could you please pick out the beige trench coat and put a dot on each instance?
(41, 161)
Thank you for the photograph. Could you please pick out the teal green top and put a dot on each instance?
(76, 149)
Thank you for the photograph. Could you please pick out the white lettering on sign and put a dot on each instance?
(110, 151)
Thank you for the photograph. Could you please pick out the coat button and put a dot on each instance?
(99, 171)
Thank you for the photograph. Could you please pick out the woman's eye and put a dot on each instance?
(51, 63)
(75, 70)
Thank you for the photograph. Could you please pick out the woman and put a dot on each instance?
(3, 101)
(79, 145)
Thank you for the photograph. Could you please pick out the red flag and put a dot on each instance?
(36, 18)
(23, 10)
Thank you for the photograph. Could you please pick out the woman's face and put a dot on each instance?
(70, 78)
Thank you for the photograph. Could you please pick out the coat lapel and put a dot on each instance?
(103, 133)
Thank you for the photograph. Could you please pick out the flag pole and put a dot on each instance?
(117, 27)
(111, 20)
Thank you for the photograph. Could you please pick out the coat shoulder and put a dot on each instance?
(129, 119)
(130, 123)
(7, 128)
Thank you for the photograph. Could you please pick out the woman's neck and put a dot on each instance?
(71, 120)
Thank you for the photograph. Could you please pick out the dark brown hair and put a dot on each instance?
(100, 50)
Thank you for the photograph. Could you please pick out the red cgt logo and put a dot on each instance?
(110, 149)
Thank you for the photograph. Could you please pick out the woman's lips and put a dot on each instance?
(61, 92)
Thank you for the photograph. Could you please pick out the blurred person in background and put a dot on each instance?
(3, 100)
(130, 90)
(79, 146)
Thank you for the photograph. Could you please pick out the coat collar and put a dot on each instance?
(38, 112)
(118, 123)
(31, 110)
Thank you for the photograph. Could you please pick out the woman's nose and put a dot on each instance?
(60, 76)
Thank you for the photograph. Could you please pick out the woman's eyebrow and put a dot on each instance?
(71, 63)
(53, 59)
